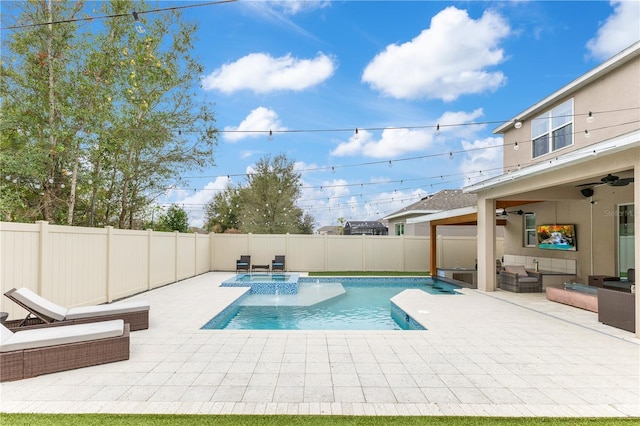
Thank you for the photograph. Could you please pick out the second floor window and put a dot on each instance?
(552, 130)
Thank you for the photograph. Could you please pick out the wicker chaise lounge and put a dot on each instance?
(30, 353)
(135, 313)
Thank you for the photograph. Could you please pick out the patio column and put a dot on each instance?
(486, 244)
(636, 238)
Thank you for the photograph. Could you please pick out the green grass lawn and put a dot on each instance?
(369, 274)
(241, 420)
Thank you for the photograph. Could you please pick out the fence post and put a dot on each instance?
(363, 257)
(149, 251)
(211, 252)
(43, 253)
(175, 235)
(109, 262)
(404, 250)
(195, 254)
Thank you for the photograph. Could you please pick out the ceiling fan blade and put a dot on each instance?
(589, 184)
(622, 182)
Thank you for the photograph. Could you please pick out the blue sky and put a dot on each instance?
(311, 72)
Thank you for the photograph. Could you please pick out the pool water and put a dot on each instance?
(363, 305)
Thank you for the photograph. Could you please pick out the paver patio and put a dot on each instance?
(498, 354)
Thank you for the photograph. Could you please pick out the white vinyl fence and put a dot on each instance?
(75, 266)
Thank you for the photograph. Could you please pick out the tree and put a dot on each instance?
(176, 219)
(265, 204)
(102, 119)
(223, 211)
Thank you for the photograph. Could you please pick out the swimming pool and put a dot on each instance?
(328, 304)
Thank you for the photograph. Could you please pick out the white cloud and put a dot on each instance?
(396, 142)
(193, 202)
(263, 73)
(336, 200)
(485, 156)
(392, 143)
(257, 124)
(445, 61)
(620, 30)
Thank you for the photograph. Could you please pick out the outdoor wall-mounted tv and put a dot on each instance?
(557, 237)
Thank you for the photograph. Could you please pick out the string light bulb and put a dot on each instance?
(590, 117)
(517, 123)
(450, 155)
(356, 136)
(515, 146)
(438, 129)
(270, 135)
(586, 133)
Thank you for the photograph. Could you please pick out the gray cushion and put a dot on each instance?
(516, 269)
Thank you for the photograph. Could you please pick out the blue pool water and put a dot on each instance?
(342, 304)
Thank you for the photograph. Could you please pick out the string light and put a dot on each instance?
(270, 136)
(516, 147)
(118, 15)
(356, 136)
(590, 117)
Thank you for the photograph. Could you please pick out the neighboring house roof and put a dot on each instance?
(329, 230)
(447, 199)
(355, 224)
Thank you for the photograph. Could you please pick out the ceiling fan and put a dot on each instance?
(611, 180)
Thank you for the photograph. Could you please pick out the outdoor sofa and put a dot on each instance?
(134, 312)
(30, 353)
(520, 280)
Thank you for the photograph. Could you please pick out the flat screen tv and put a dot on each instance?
(557, 237)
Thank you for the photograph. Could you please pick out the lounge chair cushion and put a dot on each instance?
(59, 313)
(40, 304)
(517, 269)
(52, 336)
(110, 309)
(5, 334)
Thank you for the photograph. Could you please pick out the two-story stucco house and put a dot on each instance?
(573, 158)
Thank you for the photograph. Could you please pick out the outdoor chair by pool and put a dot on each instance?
(519, 280)
(244, 263)
(134, 312)
(277, 264)
(30, 353)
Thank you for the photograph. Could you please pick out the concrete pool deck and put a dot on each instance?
(485, 354)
